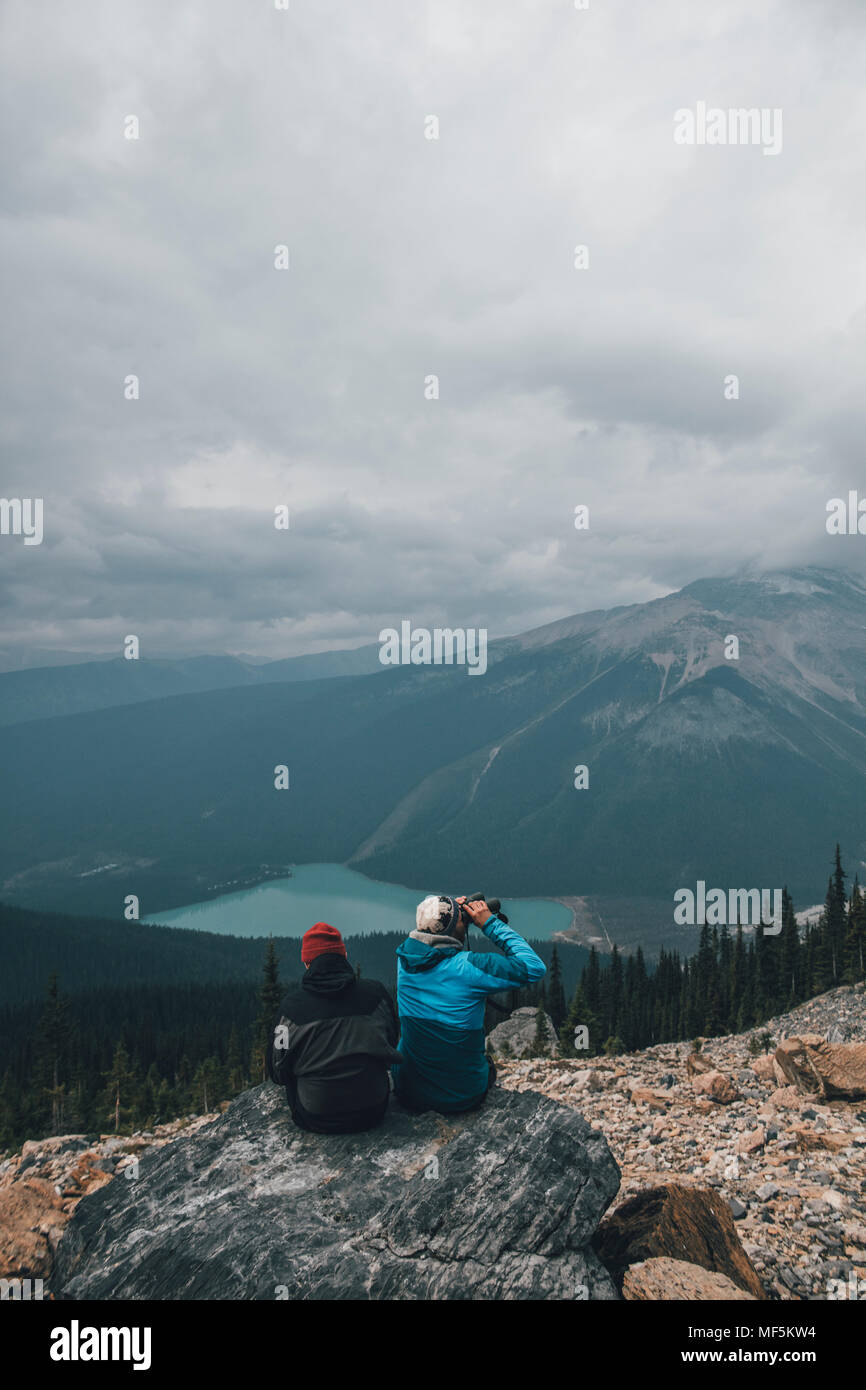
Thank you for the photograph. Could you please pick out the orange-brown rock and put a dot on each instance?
(808, 1139)
(31, 1219)
(643, 1095)
(717, 1086)
(763, 1068)
(786, 1097)
(833, 1071)
(84, 1177)
(752, 1141)
(682, 1223)
(665, 1279)
(696, 1062)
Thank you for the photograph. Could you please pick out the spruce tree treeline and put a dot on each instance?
(731, 984)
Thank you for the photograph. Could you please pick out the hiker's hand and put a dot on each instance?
(479, 912)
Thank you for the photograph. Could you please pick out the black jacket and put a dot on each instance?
(333, 1044)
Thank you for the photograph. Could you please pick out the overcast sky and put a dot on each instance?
(411, 257)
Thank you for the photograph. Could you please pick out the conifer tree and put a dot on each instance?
(269, 1002)
(121, 1081)
(836, 921)
(855, 936)
(55, 1042)
(580, 1015)
(556, 993)
(789, 954)
(823, 955)
(235, 1063)
(541, 1041)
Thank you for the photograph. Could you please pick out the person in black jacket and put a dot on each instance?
(334, 1041)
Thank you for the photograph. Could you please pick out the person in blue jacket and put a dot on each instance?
(441, 991)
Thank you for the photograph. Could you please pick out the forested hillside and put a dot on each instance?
(190, 1030)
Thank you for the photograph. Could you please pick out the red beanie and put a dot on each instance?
(318, 940)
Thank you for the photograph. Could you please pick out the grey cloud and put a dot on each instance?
(412, 257)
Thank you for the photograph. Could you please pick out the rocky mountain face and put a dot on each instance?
(424, 774)
(668, 714)
(779, 1137)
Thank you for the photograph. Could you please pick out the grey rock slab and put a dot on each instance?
(250, 1207)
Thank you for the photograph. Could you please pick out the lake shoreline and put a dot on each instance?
(286, 906)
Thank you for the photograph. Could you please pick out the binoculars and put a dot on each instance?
(493, 903)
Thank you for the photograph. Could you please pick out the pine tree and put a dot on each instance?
(591, 980)
(235, 1063)
(723, 977)
(556, 995)
(55, 1042)
(207, 1083)
(789, 954)
(541, 1041)
(269, 1002)
(837, 918)
(121, 1082)
(823, 956)
(855, 936)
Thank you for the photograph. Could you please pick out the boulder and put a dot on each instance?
(586, 1076)
(752, 1141)
(683, 1223)
(643, 1095)
(501, 1203)
(717, 1086)
(515, 1036)
(786, 1097)
(696, 1062)
(763, 1068)
(665, 1279)
(31, 1220)
(833, 1071)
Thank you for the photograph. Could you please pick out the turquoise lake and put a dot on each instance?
(346, 899)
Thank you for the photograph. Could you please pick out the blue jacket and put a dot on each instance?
(441, 992)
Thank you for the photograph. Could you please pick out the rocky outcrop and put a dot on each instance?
(516, 1035)
(682, 1223)
(663, 1279)
(834, 1071)
(501, 1203)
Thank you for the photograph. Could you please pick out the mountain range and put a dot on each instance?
(739, 768)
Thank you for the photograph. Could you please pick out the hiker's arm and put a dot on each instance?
(519, 966)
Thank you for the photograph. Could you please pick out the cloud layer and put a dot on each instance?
(411, 257)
